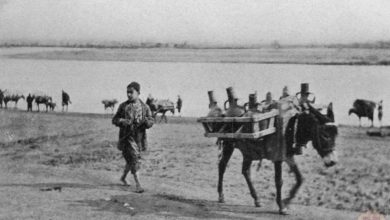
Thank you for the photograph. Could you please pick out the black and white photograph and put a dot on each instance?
(195, 109)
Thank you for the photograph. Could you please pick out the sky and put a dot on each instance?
(196, 21)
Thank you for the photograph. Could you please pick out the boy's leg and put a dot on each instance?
(124, 175)
(126, 155)
(137, 183)
(134, 164)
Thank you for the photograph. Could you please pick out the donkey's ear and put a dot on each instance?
(330, 106)
(330, 113)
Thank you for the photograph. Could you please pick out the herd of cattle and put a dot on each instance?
(38, 97)
(361, 108)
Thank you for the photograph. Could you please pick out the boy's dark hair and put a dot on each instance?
(135, 86)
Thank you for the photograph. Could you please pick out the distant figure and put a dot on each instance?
(380, 112)
(179, 104)
(149, 100)
(29, 101)
(109, 104)
(269, 103)
(133, 118)
(1, 98)
(363, 108)
(65, 100)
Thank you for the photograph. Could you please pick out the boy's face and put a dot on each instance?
(132, 94)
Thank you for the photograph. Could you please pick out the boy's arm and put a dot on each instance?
(149, 120)
(116, 120)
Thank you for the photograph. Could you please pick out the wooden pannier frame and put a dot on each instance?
(252, 127)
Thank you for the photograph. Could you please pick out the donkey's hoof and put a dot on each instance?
(221, 199)
(257, 204)
(283, 211)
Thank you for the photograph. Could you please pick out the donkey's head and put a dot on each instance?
(322, 131)
(326, 146)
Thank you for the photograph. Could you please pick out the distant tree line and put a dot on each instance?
(185, 45)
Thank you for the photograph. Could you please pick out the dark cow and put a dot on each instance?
(9, 97)
(363, 108)
(65, 100)
(46, 100)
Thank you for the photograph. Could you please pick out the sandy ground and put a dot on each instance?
(66, 166)
(319, 56)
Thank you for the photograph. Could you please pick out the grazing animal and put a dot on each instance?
(1, 98)
(109, 104)
(363, 108)
(51, 105)
(12, 97)
(43, 100)
(161, 106)
(65, 100)
(323, 141)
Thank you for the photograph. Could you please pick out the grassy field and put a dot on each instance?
(315, 56)
(77, 152)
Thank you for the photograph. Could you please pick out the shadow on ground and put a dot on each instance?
(166, 205)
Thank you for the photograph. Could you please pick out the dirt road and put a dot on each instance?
(56, 166)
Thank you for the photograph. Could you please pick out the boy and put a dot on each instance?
(133, 118)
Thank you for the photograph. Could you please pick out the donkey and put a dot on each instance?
(12, 98)
(109, 104)
(323, 141)
(46, 100)
(161, 106)
(65, 100)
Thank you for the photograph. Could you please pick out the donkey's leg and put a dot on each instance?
(227, 151)
(246, 171)
(279, 183)
(298, 177)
